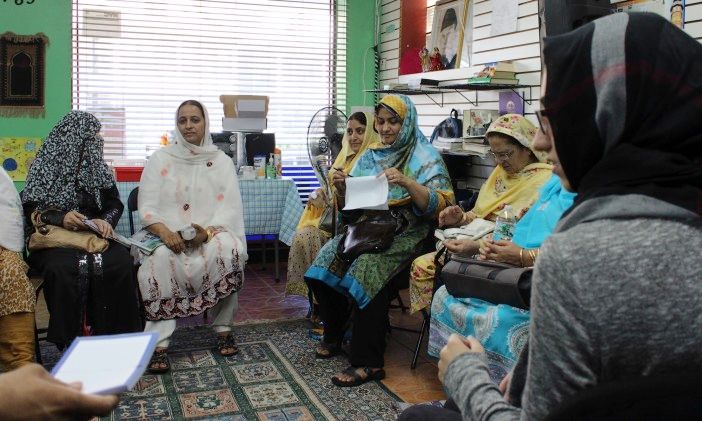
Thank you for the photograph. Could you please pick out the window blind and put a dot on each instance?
(134, 61)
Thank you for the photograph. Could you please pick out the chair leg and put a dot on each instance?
(37, 349)
(424, 328)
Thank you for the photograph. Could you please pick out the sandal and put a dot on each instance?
(159, 362)
(224, 343)
(325, 350)
(357, 379)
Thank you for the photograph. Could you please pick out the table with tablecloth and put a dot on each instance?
(271, 207)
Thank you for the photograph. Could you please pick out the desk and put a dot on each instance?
(270, 207)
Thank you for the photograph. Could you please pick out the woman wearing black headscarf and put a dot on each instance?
(86, 293)
(616, 290)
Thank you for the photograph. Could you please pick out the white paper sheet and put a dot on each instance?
(504, 17)
(106, 364)
(367, 193)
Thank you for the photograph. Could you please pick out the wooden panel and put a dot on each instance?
(504, 41)
(693, 12)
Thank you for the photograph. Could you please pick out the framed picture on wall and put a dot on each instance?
(447, 32)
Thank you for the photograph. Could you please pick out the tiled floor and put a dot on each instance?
(263, 298)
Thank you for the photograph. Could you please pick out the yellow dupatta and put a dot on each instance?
(519, 190)
(345, 160)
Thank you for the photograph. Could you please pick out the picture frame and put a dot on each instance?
(447, 31)
(467, 43)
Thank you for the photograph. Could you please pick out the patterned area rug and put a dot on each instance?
(274, 377)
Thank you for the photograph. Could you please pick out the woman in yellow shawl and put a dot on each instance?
(515, 181)
(310, 237)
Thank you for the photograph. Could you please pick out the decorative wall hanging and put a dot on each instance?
(22, 60)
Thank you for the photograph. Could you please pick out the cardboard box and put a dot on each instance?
(239, 124)
(245, 106)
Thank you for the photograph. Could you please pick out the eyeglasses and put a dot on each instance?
(501, 155)
(543, 123)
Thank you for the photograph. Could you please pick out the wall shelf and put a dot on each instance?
(430, 92)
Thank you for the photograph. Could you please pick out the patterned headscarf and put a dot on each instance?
(518, 128)
(411, 153)
(70, 159)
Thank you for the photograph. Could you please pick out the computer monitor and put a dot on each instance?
(259, 144)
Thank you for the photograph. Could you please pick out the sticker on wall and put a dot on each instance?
(17, 155)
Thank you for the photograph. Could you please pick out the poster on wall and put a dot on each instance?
(22, 79)
(447, 33)
(673, 10)
(17, 155)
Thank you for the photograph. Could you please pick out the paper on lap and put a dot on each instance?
(367, 193)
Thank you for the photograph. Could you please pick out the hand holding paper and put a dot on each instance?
(367, 193)
(106, 364)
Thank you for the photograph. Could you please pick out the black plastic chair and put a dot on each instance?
(669, 396)
(132, 206)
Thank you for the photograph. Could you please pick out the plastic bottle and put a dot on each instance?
(270, 167)
(188, 233)
(278, 161)
(504, 224)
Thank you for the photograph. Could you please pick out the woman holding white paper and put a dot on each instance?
(311, 234)
(191, 183)
(419, 189)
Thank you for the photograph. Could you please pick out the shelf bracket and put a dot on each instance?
(475, 104)
(433, 100)
(523, 96)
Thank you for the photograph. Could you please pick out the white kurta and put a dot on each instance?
(180, 187)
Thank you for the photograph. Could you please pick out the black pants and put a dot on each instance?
(111, 302)
(449, 412)
(369, 324)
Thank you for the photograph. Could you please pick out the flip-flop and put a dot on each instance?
(158, 359)
(357, 380)
(332, 350)
(226, 342)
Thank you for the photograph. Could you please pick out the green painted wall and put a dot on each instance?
(360, 37)
(53, 18)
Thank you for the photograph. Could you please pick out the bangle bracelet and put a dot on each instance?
(521, 257)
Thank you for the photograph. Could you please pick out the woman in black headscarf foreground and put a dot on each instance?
(616, 291)
(86, 293)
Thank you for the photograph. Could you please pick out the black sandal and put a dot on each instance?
(226, 342)
(159, 362)
(325, 350)
(357, 380)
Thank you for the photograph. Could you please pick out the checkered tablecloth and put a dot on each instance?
(270, 207)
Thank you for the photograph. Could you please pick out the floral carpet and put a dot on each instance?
(274, 377)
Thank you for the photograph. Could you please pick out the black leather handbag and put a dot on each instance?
(495, 282)
(370, 235)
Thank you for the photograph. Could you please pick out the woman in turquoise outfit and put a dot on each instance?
(502, 329)
(419, 189)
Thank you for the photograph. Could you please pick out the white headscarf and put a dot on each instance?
(11, 222)
(183, 149)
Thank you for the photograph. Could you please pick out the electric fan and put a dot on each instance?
(324, 135)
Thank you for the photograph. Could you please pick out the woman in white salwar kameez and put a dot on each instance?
(191, 183)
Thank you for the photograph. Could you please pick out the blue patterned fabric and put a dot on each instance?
(270, 207)
(501, 329)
